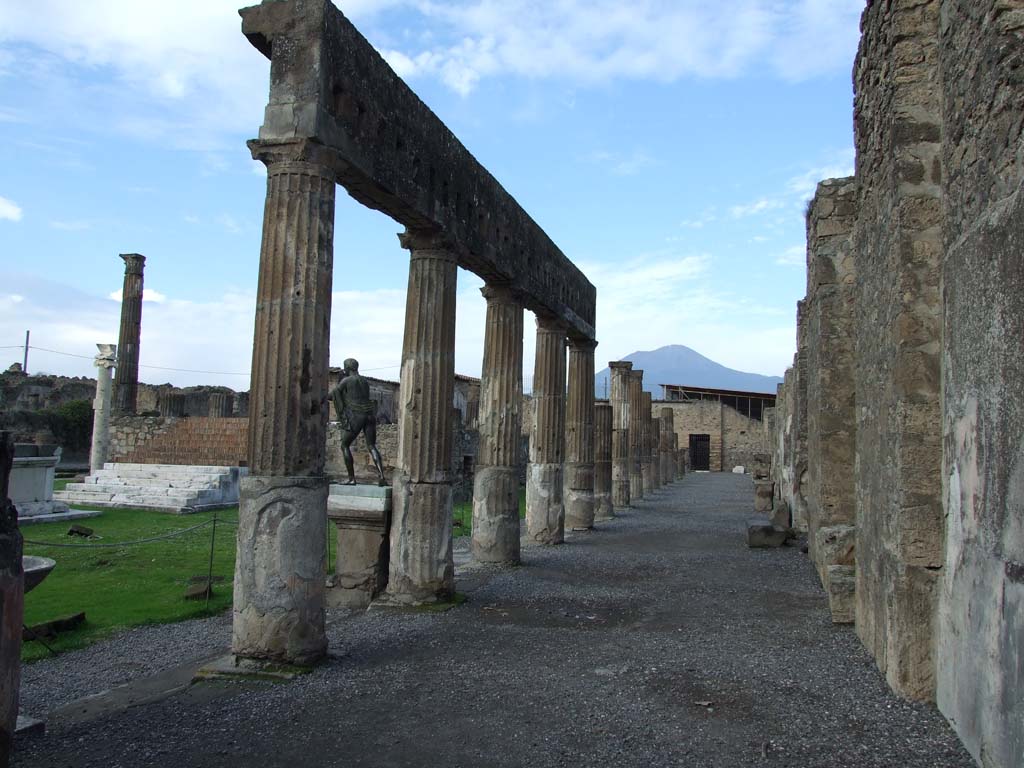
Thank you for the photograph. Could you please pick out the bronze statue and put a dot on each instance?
(357, 413)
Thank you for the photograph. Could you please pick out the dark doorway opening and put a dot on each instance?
(700, 453)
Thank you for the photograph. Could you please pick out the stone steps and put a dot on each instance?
(168, 488)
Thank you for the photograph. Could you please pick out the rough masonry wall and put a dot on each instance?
(898, 242)
(830, 394)
(735, 437)
(981, 615)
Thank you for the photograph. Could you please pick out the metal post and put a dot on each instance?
(24, 362)
(209, 572)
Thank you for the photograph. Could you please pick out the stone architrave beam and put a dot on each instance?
(545, 513)
(496, 479)
(421, 568)
(603, 507)
(282, 528)
(621, 421)
(392, 153)
(100, 448)
(126, 377)
(578, 488)
(636, 431)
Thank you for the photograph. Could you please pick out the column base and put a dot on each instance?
(279, 573)
(647, 476)
(636, 488)
(545, 515)
(603, 509)
(496, 515)
(421, 567)
(579, 509)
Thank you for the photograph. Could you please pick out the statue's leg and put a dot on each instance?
(347, 438)
(370, 432)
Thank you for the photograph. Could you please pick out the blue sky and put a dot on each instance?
(667, 146)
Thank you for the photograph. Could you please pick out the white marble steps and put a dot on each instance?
(162, 487)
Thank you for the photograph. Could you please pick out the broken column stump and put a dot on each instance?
(761, 534)
(362, 516)
(764, 493)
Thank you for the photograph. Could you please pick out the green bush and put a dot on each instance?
(71, 424)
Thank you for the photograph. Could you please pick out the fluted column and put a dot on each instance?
(421, 567)
(646, 467)
(668, 437)
(621, 455)
(603, 509)
(100, 448)
(496, 480)
(279, 571)
(636, 431)
(578, 484)
(680, 457)
(656, 452)
(126, 377)
(545, 514)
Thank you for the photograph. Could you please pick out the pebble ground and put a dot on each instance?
(657, 639)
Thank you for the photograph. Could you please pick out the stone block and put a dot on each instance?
(841, 584)
(781, 514)
(764, 494)
(762, 535)
(362, 516)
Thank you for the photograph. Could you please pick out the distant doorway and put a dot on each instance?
(700, 453)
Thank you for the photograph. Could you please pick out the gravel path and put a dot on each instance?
(657, 640)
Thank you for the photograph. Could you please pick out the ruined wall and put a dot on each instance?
(735, 437)
(829, 339)
(981, 614)
(789, 448)
(743, 438)
(898, 243)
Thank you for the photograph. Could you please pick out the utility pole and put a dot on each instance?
(24, 362)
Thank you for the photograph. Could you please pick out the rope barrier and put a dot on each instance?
(115, 545)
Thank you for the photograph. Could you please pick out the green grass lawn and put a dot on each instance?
(463, 515)
(127, 586)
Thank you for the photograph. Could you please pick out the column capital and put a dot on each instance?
(427, 243)
(551, 323)
(133, 263)
(637, 373)
(625, 365)
(107, 357)
(502, 293)
(582, 344)
(294, 156)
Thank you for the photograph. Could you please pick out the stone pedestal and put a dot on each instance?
(578, 485)
(636, 431)
(100, 448)
(31, 481)
(496, 479)
(764, 495)
(12, 598)
(362, 516)
(279, 572)
(221, 405)
(545, 519)
(621, 444)
(126, 381)
(646, 437)
(603, 509)
(421, 567)
(171, 405)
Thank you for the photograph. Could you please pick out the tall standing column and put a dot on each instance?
(545, 514)
(621, 444)
(421, 567)
(578, 485)
(603, 462)
(656, 452)
(668, 438)
(100, 449)
(126, 379)
(12, 604)
(646, 470)
(282, 527)
(636, 432)
(496, 480)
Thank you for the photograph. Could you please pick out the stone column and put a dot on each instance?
(679, 456)
(603, 462)
(100, 449)
(172, 405)
(221, 405)
(636, 429)
(126, 378)
(646, 470)
(578, 487)
(496, 482)
(282, 527)
(656, 452)
(12, 601)
(668, 439)
(545, 517)
(621, 456)
(421, 568)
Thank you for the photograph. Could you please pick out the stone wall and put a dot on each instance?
(735, 437)
(980, 658)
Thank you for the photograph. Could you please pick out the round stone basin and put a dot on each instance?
(36, 569)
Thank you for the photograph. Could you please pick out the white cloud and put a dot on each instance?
(76, 225)
(794, 256)
(9, 210)
(229, 223)
(758, 206)
(148, 295)
(619, 164)
(840, 166)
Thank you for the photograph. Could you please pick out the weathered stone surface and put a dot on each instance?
(331, 87)
(11, 604)
(172, 405)
(603, 507)
(841, 584)
(361, 514)
(279, 572)
(636, 434)
(780, 514)
(495, 537)
(99, 451)
(764, 495)
(666, 445)
(545, 513)
(762, 535)
(421, 565)
(646, 439)
(126, 377)
(655, 441)
(222, 405)
(578, 482)
(621, 441)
